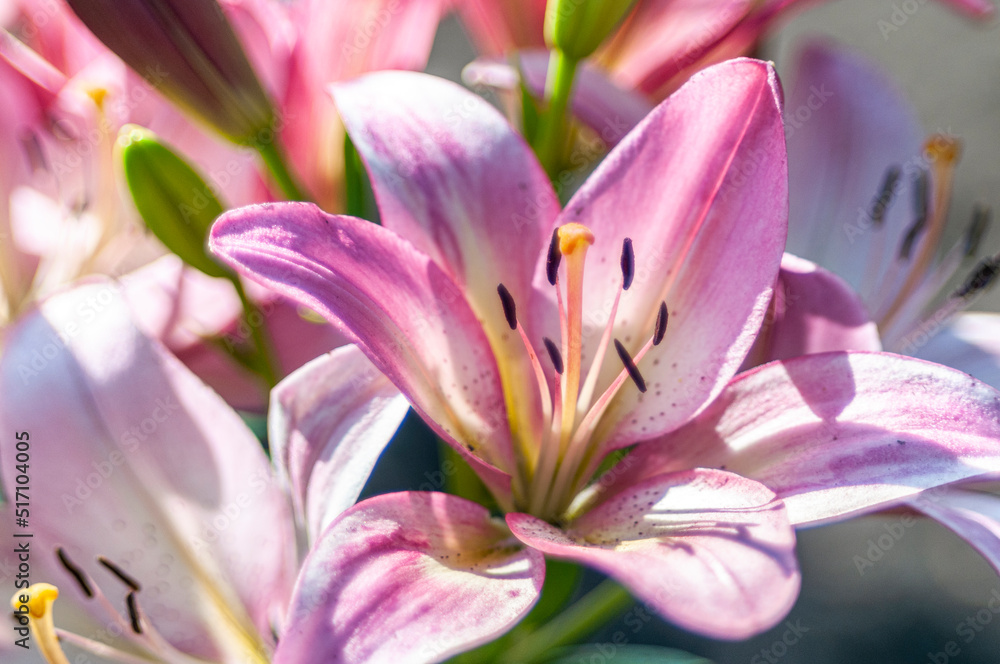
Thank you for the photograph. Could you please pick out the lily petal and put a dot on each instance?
(413, 577)
(970, 343)
(814, 311)
(847, 125)
(838, 434)
(709, 550)
(453, 177)
(709, 168)
(410, 317)
(145, 465)
(327, 425)
(972, 515)
(664, 39)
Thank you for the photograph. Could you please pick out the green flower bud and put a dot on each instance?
(578, 27)
(175, 203)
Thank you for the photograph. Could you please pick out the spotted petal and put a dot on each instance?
(327, 425)
(708, 550)
(837, 434)
(700, 187)
(414, 577)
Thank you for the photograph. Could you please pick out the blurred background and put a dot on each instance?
(925, 598)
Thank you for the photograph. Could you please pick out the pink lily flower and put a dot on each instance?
(296, 48)
(474, 300)
(67, 218)
(662, 43)
(154, 514)
(865, 179)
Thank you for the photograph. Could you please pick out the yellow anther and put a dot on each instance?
(574, 237)
(98, 94)
(38, 599)
(941, 148)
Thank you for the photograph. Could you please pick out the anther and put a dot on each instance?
(661, 324)
(32, 148)
(920, 202)
(628, 263)
(552, 262)
(120, 573)
(133, 613)
(633, 371)
(982, 216)
(554, 354)
(981, 278)
(884, 197)
(509, 308)
(76, 572)
(921, 194)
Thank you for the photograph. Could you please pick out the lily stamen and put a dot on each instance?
(510, 313)
(570, 413)
(136, 629)
(943, 152)
(628, 274)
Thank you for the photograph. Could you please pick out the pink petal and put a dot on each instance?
(814, 311)
(972, 515)
(344, 39)
(455, 179)
(145, 465)
(409, 317)
(327, 425)
(699, 187)
(708, 550)
(498, 28)
(338, 41)
(660, 44)
(414, 577)
(971, 343)
(980, 9)
(183, 308)
(838, 434)
(847, 125)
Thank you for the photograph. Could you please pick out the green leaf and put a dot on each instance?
(624, 654)
(175, 202)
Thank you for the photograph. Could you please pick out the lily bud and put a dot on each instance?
(189, 52)
(578, 27)
(174, 201)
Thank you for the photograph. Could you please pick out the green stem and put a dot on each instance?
(266, 365)
(276, 164)
(552, 130)
(603, 603)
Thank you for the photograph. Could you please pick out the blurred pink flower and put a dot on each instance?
(296, 48)
(682, 230)
(869, 200)
(662, 43)
(161, 521)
